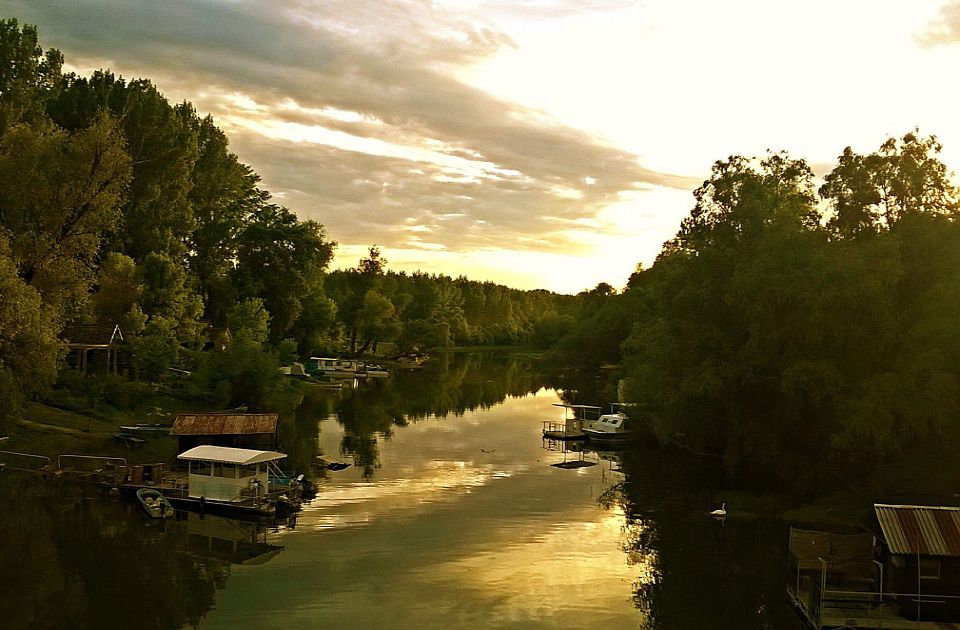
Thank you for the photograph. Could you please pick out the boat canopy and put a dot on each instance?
(229, 455)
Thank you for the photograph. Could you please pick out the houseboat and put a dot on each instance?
(233, 480)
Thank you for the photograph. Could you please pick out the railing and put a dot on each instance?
(121, 461)
(830, 607)
(42, 462)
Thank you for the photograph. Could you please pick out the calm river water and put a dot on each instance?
(451, 515)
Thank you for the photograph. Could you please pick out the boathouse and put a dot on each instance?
(240, 430)
(91, 345)
(921, 552)
(228, 475)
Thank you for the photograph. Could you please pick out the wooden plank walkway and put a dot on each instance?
(881, 617)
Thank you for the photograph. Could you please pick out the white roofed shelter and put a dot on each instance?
(222, 473)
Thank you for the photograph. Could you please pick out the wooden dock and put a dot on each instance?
(848, 615)
(563, 431)
(564, 435)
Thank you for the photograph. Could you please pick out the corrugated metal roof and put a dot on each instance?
(225, 424)
(918, 529)
(228, 455)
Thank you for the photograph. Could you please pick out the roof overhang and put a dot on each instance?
(229, 455)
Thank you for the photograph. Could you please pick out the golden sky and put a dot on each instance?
(536, 143)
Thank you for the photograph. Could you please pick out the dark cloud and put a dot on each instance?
(389, 67)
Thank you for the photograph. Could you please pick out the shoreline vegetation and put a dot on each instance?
(803, 330)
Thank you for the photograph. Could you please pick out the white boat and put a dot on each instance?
(613, 426)
(332, 368)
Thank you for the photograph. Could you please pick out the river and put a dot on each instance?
(453, 514)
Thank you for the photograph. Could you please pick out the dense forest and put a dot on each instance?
(119, 207)
(787, 325)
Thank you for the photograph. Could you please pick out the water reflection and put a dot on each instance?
(448, 385)
(454, 515)
(703, 572)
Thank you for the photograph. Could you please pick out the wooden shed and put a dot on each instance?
(83, 341)
(921, 550)
(239, 430)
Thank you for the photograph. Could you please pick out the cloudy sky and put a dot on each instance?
(537, 143)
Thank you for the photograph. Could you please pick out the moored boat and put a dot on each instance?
(154, 503)
(615, 426)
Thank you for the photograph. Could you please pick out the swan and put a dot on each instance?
(721, 512)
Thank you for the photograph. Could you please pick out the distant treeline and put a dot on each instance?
(787, 325)
(119, 207)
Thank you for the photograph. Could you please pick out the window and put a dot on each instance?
(224, 470)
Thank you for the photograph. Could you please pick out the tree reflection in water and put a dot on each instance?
(448, 385)
(697, 572)
(86, 563)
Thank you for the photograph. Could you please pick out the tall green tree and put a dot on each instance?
(904, 177)
(29, 77)
(60, 194)
(29, 348)
(278, 257)
(162, 142)
(224, 196)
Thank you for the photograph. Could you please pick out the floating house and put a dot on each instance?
(238, 430)
(231, 477)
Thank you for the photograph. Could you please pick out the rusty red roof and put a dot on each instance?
(918, 529)
(225, 424)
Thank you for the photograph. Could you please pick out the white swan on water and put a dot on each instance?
(721, 512)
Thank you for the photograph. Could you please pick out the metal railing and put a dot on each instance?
(42, 461)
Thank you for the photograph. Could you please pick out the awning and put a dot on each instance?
(228, 455)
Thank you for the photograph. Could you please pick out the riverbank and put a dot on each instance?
(50, 431)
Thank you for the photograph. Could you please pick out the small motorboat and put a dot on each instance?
(154, 503)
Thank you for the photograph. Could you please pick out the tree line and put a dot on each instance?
(788, 324)
(118, 206)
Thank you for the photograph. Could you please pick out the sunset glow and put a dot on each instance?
(544, 144)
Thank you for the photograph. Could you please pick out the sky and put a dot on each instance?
(547, 144)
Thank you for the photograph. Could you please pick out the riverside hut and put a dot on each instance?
(84, 340)
(240, 430)
(921, 550)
